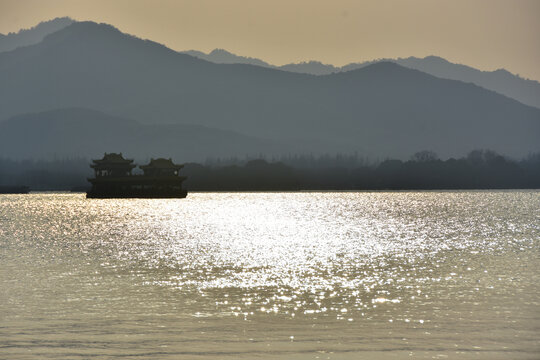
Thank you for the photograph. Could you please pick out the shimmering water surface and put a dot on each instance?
(271, 275)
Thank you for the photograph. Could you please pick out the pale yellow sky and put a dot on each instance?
(486, 34)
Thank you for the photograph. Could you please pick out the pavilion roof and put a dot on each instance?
(110, 158)
(161, 163)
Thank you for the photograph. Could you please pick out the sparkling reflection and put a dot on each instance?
(437, 262)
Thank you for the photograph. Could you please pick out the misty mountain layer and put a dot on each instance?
(501, 81)
(33, 35)
(75, 132)
(380, 110)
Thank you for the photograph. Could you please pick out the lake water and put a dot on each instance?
(331, 275)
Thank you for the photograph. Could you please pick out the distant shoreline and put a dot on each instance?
(306, 191)
(480, 170)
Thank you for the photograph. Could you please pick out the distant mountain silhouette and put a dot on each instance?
(380, 110)
(501, 81)
(77, 132)
(221, 56)
(33, 35)
(311, 67)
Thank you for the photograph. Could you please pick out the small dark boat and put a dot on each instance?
(113, 179)
(8, 189)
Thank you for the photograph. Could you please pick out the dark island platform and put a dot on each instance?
(113, 179)
(8, 189)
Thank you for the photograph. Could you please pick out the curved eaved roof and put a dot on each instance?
(161, 163)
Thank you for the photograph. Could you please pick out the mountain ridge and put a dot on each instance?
(501, 81)
(379, 110)
(34, 35)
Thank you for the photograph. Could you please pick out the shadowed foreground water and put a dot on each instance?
(271, 275)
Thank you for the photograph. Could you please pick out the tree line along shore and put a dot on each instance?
(480, 169)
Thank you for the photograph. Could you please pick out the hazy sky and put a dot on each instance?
(487, 34)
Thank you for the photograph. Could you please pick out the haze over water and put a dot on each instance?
(333, 275)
